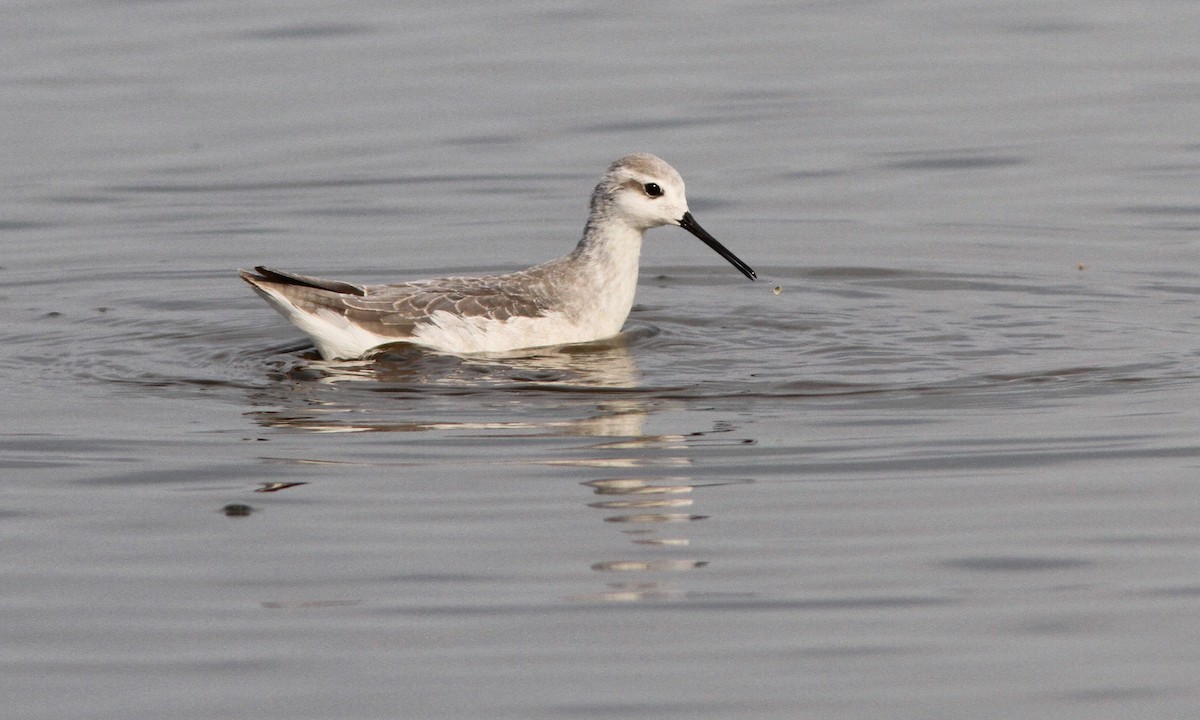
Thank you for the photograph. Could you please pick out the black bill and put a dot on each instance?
(687, 222)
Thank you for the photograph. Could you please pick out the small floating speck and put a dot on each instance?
(277, 486)
(1081, 266)
(237, 510)
(778, 289)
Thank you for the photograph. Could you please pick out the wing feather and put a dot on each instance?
(401, 310)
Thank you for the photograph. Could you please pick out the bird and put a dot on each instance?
(581, 297)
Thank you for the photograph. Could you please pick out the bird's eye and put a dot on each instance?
(653, 190)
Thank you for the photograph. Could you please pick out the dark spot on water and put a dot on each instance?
(276, 486)
(237, 510)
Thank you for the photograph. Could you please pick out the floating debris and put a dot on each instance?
(277, 486)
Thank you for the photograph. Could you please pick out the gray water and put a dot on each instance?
(941, 461)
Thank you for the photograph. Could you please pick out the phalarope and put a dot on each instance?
(580, 297)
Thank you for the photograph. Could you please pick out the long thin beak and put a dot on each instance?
(687, 222)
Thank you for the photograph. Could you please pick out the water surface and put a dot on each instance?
(940, 461)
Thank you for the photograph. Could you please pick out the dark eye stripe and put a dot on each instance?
(653, 190)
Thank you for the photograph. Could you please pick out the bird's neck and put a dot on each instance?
(611, 246)
(606, 260)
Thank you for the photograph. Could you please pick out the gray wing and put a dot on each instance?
(499, 297)
(396, 310)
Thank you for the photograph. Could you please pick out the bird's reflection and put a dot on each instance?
(651, 508)
(588, 391)
(604, 364)
(330, 397)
